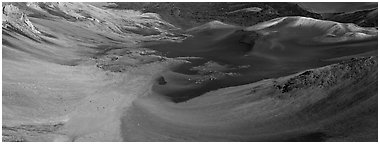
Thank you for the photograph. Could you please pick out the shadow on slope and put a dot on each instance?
(333, 103)
(271, 49)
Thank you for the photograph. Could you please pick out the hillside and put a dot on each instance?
(110, 72)
(361, 13)
(187, 15)
(332, 103)
(364, 18)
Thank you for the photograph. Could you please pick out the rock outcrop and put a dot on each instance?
(17, 21)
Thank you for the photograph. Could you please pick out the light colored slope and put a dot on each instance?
(312, 30)
(88, 100)
(211, 26)
(288, 37)
(56, 79)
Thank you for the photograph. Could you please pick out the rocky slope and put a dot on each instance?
(188, 15)
(16, 21)
(102, 21)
